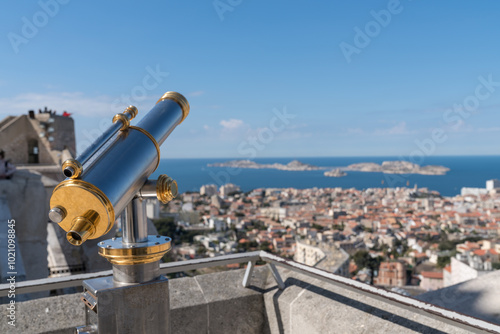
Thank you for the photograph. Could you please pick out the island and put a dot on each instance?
(398, 167)
(388, 167)
(337, 172)
(294, 165)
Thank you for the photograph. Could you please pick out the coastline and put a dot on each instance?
(466, 171)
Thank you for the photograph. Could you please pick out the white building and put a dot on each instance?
(274, 212)
(492, 184)
(216, 223)
(187, 207)
(227, 189)
(308, 254)
(465, 268)
(473, 191)
(208, 189)
(324, 256)
(210, 242)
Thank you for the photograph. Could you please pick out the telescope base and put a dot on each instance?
(135, 273)
(138, 308)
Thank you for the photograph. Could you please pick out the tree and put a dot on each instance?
(165, 226)
(318, 227)
(201, 250)
(265, 246)
(446, 245)
(443, 261)
(338, 227)
(363, 259)
(360, 258)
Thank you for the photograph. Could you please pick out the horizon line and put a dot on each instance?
(347, 156)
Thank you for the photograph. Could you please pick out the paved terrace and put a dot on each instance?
(280, 297)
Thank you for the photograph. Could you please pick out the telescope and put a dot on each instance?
(110, 178)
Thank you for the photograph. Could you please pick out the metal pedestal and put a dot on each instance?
(136, 298)
(139, 308)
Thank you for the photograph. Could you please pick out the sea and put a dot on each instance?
(465, 171)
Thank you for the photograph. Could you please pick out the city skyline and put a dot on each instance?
(286, 79)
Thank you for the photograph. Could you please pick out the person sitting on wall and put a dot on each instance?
(7, 169)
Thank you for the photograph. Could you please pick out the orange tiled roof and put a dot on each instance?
(432, 274)
(482, 252)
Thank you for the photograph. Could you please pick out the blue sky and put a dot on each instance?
(403, 78)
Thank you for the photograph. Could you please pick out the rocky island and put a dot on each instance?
(337, 172)
(398, 167)
(294, 165)
(388, 167)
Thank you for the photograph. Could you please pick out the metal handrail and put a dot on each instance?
(55, 283)
(442, 314)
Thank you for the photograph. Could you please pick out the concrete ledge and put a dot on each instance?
(218, 303)
(214, 303)
(313, 306)
(230, 307)
(59, 314)
(188, 307)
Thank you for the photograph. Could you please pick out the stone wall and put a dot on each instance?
(460, 272)
(218, 303)
(215, 303)
(17, 133)
(312, 306)
(28, 203)
(15, 136)
(64, 131)
(13, 139)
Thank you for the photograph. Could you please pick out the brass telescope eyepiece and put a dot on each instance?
(106, 177)
(72, 168)
(83, 228)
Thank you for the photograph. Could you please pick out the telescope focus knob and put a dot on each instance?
(166, 189)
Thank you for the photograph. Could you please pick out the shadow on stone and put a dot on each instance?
(374, 311)
(277, 311)
(260, 290)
